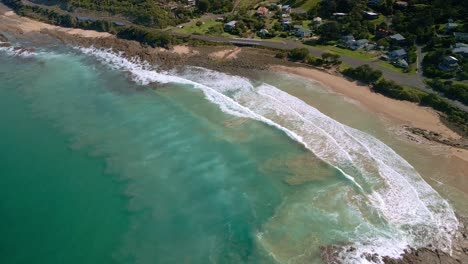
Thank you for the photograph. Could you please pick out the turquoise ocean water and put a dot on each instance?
(98, 167)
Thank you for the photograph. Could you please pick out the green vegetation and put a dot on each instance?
(363, 73)
(452, 90)
(207, 27)
(361, 55)
(393, 90)
(215, 6)
(144, 35)
(298, 54)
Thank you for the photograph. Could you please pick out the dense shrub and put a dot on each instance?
(150, 37)
(299, 54)
(451, 90)
(393, 90)
(363, 73)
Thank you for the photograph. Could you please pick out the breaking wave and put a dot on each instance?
(18, 52)
(388, 183)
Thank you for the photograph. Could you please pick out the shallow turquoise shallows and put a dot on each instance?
(95, 169)
(193, 166)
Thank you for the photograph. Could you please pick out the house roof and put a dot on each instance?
(398, 53)
(370, 13)
(231, 23)
(460, 50)
(397, 37)
(347, 37)
(451, 59)
(460, 34)
(362, 41)
(402, 63)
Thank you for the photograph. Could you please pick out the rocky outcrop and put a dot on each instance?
(426, 255)
(431, 256)
(436, 137)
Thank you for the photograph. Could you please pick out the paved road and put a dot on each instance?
(410, 80)
(415, 80)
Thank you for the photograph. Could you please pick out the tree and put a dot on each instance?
(203, 5)
(329, 31)
(298, 54)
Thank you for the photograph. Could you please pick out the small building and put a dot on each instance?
(381, 32)
(384, 57)
(339, 14)
(85, 19)
(449, 63)
(369, 47)
(397, 38)
(264, 33)
(286, 9)
(462, 51)
(401, 4)
(303, 33)
(347, 38)
(397, 54)
(230, 25)
(286, 23)
(192, 2)
(262, 11)
(358, 44)
(317, 21)
(459, 36)
(402, 63)
(371, 15)
(451, 26)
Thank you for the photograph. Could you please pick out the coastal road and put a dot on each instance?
(404, 79)
(415, 80)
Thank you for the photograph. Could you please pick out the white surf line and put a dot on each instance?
(248, 113)
(349, 177)
(425, 188)
(144, 75)
(378, 161)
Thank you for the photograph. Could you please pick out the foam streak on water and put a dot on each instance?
(389, 184)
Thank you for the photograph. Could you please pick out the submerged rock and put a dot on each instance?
(3, 38)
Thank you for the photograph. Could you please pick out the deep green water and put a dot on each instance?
(95, 168)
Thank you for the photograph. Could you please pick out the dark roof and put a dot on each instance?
(397, 53)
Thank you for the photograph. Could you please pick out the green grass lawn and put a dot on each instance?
(309, 4)
(396, 69)
(358, 54)
(202, 30)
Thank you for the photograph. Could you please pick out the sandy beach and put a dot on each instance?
(12, 22)
(404, 112)
(399, 112)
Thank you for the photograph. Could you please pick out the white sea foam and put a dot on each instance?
(19, 52)
(390, 184)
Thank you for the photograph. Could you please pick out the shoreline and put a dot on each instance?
(239, 61)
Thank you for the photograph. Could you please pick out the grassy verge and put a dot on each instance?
(309, 4)
(359, 54)
(203, 29)
(391, 67)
